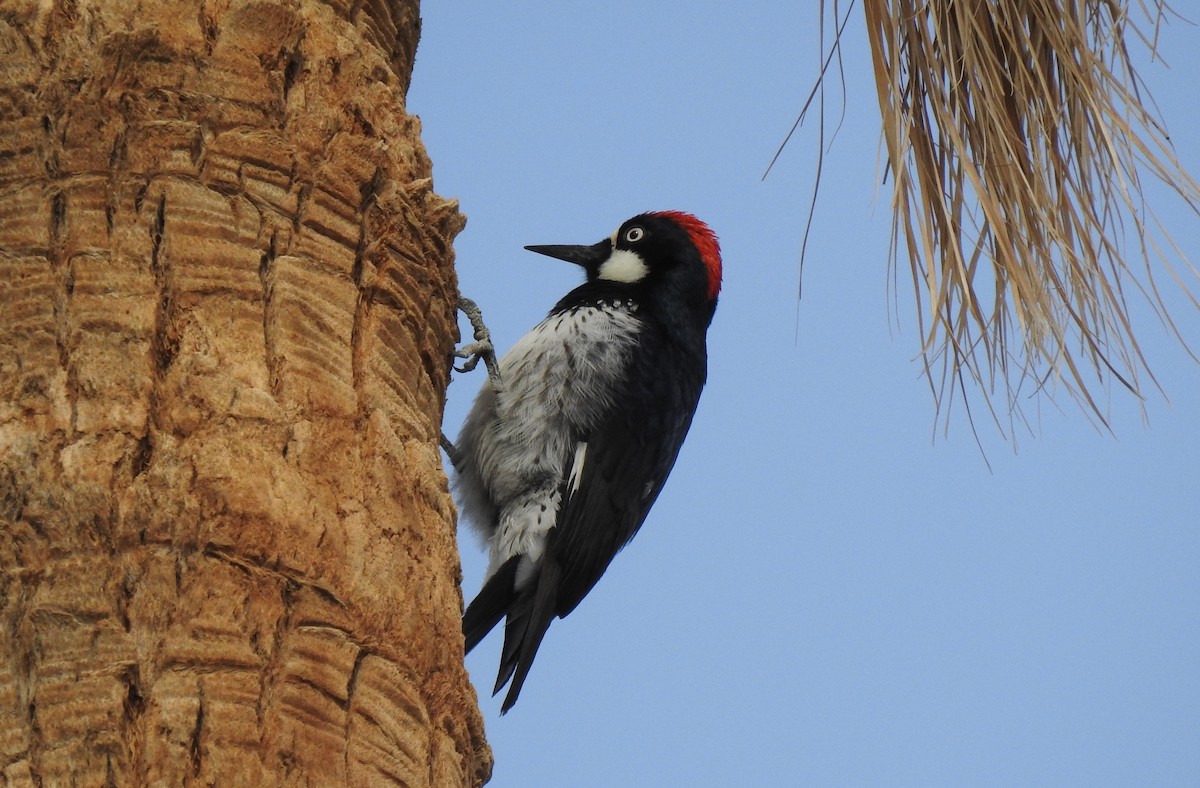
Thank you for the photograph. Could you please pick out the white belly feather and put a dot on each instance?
(522, 439)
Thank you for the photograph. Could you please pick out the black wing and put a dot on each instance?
(628, 458)
(625, 467)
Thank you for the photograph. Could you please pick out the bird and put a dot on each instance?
(565, 450)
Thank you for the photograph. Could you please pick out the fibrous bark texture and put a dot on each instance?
(226, 311)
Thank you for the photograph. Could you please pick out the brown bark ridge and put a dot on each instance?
(226, 310)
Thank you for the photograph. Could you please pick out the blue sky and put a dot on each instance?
(830, 590)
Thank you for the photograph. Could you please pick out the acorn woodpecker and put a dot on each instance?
(564, 452)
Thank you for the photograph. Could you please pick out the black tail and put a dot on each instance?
(528, 619)
(491, 603)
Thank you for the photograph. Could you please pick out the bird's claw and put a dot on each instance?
(473, 353)
(482, 347)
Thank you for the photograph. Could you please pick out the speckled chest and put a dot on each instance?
(570, 368)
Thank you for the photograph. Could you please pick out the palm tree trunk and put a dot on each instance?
(226, 311)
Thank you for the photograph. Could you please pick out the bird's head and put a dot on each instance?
(661, 250)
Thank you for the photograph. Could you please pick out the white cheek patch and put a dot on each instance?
(623, 266)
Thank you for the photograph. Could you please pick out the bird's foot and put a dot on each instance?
(482, 348)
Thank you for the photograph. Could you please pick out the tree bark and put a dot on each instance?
(226, 314)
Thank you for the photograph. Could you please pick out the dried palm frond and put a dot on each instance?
(1018, 135)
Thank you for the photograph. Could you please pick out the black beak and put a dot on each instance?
(590, 257)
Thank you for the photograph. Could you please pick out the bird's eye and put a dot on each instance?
(634, 234)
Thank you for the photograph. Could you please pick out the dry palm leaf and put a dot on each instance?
(1018, 135)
